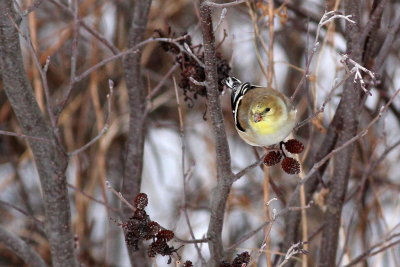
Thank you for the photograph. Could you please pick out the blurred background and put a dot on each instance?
(372, 205)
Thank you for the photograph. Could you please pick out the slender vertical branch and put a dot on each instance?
(223, 160)
(271, 32)
(137, 99)
(341, 129)
(51, 162)
(137, 115)
(342, 160)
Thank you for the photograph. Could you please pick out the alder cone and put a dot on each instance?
(294, 146)
(272, 158)
(290, 165)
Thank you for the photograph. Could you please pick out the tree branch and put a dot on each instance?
(20, 248)
(223, 5)
(342, 161)
(225, 176)
(137, 115)
(50, 161)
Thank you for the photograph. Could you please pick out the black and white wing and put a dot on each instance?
(236, 96)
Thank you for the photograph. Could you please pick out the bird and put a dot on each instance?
(262, 116)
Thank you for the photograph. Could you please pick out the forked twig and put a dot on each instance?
(293, 250)
(119, 195)
(105, 127)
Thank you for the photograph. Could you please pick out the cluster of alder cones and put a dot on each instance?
(139, 227)
(190, 68)
(288, 164)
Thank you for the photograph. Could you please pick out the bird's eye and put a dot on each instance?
(267, 110)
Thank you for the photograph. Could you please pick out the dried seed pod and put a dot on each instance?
(141, 201)
(290, 165)
(241, 259)
(153, 229)
(165, 234)
(273, 158)
(151, 252)
(188, 264)
(294, 146)
(132, 241)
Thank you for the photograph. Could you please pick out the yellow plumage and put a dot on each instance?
(263, 116)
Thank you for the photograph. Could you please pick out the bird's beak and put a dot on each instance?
(257, 117)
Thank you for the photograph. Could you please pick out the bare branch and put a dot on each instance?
(93, 199)
(197, 82)
(248, 168)
(20, 248)
(133, 162)
(221, 19)
(357, 70)
(132, 50)
(50, 160)
(382, 245)
(90, 30)
(119, 195)
(223, 160)
(275, 216)
(185, 174)
(26, 136)
(39, 223)
(355, 138)
(105, 127)
(326, 18)
(293, 250)
(231, 4)
(32, 7)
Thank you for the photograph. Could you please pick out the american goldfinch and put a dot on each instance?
(263, 116)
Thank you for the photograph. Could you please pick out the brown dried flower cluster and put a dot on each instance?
(188, 264)
(190, 68)
(241, 259)
(139, 227)
(289, 165)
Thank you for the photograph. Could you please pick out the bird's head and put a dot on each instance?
(268, 113)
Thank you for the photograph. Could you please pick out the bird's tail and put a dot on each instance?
(232, 82)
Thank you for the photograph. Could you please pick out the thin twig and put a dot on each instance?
(43, 76)
(194, 81)
(133, 50)
(293, 250)
(92, 198)
(369, 252)
(221, 19)
(32, 7)
(41, 139)
(275, 216)
(204, 240)
(362, 133)
(326, 18)
(185, 174)
(238, 175)
(74, 57)
(161, 83)
(257, 37)
(105, 127)
(37, 221)
(231, 4)
(327, 99)
(119, 195)
(357, 70)
(90, 30)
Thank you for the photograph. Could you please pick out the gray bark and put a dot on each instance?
(50, 161)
